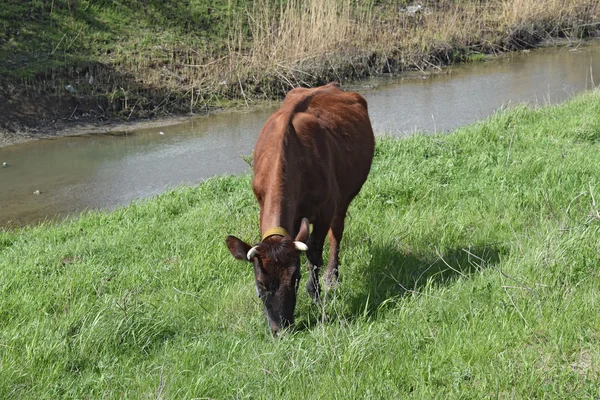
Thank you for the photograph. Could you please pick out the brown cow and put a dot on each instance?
(311, 158)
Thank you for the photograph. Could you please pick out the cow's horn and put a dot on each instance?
(300, 246)
(252, 252)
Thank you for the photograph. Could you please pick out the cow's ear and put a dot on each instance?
(302, 235)
(238, 248)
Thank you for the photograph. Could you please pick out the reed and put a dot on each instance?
(312, 42)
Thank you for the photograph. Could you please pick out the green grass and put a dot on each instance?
(41, 37)
(470, 269)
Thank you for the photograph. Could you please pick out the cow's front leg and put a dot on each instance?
(335, 238)
(315, 259)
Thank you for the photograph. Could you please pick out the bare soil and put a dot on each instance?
(23, 118)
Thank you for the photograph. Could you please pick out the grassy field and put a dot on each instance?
(66, 60)
(469, 269)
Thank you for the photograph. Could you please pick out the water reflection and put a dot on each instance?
(465, 93)
(97, 171)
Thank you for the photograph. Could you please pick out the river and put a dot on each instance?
(105, 171)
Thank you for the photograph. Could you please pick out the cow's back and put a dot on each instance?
(316, 149)
(337, 124)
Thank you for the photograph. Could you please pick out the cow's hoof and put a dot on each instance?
(331, 280)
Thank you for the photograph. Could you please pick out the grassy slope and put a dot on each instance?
(88, 60)
(469, 269)
(37, 36)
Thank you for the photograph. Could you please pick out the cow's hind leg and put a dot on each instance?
(335, 237)
(315, 257)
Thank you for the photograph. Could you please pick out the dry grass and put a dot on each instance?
(315, 41)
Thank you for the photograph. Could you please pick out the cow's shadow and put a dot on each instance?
(392, 274)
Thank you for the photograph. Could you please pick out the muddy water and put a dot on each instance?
(104, 171)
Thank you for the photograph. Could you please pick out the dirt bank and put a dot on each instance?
(58, 128)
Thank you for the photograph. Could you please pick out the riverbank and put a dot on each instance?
(465, 261)
(77, 62)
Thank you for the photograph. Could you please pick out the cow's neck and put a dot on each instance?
(280, 203)
(270, 221)
(277, 211)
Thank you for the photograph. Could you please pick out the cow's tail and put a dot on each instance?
(304, 103)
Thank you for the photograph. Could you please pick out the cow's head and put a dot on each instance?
(276, 263)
